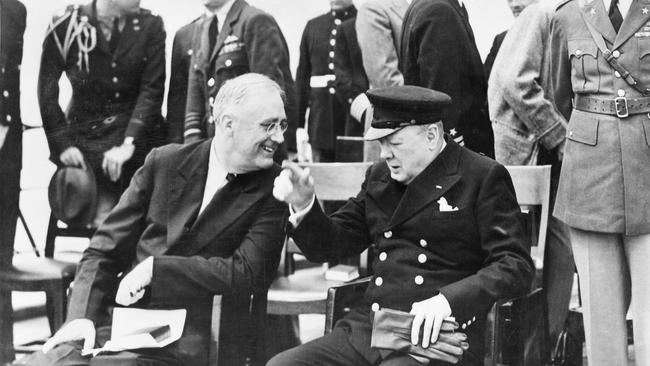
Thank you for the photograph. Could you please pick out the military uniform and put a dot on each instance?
(315, 82)
(250, 41)
(453, 230)
(438, 51)
(177, 94)
(603, 191)
(351, 79)
(115, 93)
(12, 27)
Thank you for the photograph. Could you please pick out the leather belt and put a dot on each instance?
(321, 81)
(619, 106)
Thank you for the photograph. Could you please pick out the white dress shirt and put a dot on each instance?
(623, 6)
(216, 178)
(221, 13)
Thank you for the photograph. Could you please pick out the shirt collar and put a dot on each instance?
(623, 6)
(221, 13)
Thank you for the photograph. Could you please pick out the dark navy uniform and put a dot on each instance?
(121, 90)
(351, 79)
(250, 41)
(180, 67)
(453, 230)
(12, 27)
(439, 52)
(315, 82)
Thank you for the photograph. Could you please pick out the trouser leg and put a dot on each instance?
(558, 275)
(605, 289)
(637, 249)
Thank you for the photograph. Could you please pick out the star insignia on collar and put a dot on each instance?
(645, 11)
(592, 12)
(453, 132)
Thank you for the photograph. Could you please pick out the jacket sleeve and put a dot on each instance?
(342, 234)
(112, 249)
(268, 54)
(251, 267)
(375, 36)
(560, 69)
(196, 98)
(152, 85)
(177, 95)
(303, 75)
(508, 269)
(521, 74)
(54, 120)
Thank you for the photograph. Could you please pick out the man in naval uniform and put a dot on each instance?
(438, 51)
(445, 222)
(315, 81)
(231, 39)
(600, 68)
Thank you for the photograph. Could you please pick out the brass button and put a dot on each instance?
(117, 94)
(422, 258)
(331, 66)
(5, 94)
(375, 307)
(332, 91)
(616, 54)
(423, 243)
(8, 118)
(617, 74)
(419, 280)
(337, 21)
(211, 82)
(228, 63)
(379, 281)
(388, 234)
(621, 92)
(383, 256)
(115, 79)
(332, 42)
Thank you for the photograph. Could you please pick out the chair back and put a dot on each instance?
(533, 188)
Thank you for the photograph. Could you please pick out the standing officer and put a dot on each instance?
(234, 38)
(439, 52)
(12, 27)
(600, 66)
(113, 53)
(315, 80)
(445, 222)
(180, 68)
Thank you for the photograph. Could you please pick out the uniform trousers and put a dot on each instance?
(613, 269)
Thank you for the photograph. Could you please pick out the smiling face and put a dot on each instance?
(250, 147)
(410, 150)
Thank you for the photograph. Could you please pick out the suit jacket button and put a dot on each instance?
(332, 42)
(616, 54)
(375, 307)
(8, 118)
(379, 281)
(419, 280)
(423, 243)
(621, 92)
(5, 94)
(337, 21)
(211, 82)
(463, 326)
(388, 234)
(332, 91)
(228, 63)
(422, 258)
(383, 256)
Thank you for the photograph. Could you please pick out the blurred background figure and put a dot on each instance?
(528, 130)
(12, 28)
(230, 39)
(516, 6)
(115, 61)
(438, 51)
(180, 68)
(315, 81)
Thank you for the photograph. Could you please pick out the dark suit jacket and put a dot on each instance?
(180, 67)
(250, 41)
(473, 255)
(232, 248)
(317, 51)
(496, 45)
(129, 82)
(351, 79)
(439, 52)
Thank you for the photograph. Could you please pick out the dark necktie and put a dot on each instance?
(115, 34)
(615, 15)
(213, 32)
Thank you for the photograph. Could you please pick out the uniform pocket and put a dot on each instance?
(643, 44)
(583, 129)
(584, 64)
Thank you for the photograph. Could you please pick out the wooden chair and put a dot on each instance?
(304, 291)
(519, 323)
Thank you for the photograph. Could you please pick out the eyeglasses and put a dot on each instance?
(274, 127)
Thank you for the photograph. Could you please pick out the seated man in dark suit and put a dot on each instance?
(197, 220)
(445, 223)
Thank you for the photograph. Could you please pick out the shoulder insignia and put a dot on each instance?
(61, 16)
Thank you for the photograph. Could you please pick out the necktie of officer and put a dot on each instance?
(115, 34)
(213, 32)
(615, 15)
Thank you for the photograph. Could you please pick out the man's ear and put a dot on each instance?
(227, 124)
(434, 133)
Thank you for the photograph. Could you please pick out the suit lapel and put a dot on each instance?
(636, 17)
(229, 203)
(233, 16)
(386, 192)
(132, 27)
(459, 10)
(429, 186)
(595, 13)
(186, 186)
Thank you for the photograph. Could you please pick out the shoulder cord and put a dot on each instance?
(79, 31)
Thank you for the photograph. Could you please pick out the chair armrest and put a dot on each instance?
(340, 299)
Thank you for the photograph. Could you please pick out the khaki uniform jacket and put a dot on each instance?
(605, 179)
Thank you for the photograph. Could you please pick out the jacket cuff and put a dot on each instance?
(552, 137)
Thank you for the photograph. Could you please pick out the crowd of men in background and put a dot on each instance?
(115, 61)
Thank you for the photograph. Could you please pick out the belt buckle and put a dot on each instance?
(621, 107)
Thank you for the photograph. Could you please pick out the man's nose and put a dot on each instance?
(385, 152)
(277, 136)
